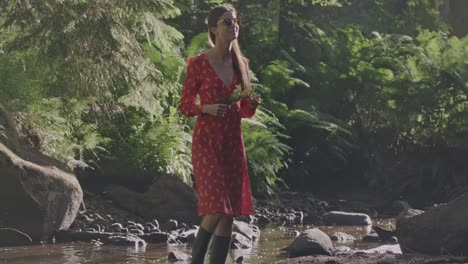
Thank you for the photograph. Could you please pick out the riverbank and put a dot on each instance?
(375, 259)
(103, 218)
(288, 208)
(282, 219)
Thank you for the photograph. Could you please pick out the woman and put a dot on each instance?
(218, 155)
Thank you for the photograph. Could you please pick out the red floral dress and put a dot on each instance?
(218, 154)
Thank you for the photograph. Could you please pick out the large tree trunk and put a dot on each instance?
(458, 17)
(37, 195)
(283, 28)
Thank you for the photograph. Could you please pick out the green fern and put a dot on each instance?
(64, 134)
(278, 77)
(266, 152)
(153, 146)
(198, 44)
(94, 49)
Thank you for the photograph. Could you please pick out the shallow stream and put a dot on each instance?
(266, 250)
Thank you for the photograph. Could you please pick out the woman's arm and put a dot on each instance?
(188, 106)
(248, 106)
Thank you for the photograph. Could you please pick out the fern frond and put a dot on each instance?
(198, 44)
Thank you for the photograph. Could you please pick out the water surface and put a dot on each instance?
(266, 250)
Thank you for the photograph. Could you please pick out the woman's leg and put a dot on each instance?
(210, 222)
(224, 227)
(205, 232)
(221, 240)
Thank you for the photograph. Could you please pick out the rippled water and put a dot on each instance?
(266, 250)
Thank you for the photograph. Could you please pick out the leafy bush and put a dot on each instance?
(62, 126)
(266, 151)
(400, 94)
(64, 133)
(22, 80)
(164, 147)
(151, 146)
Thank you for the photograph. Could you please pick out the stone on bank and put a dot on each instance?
(346, 219)
(311, 242)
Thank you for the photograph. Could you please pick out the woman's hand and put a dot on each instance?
(214, 109)
(255, 101)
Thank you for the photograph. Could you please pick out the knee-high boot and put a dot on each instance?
(200, 246)
(219, 249)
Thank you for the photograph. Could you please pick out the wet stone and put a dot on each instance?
(249, 219)
(244, 229)
(87, 218)
(299, 218)
(97, 227)
(150, 226)
(116, 227)
(178, 256)
(183, 226)
(393, 240)
(131, 223)
(311, 242)
(263, 220)
(294, 233)
(239, 241)
(99, 217)
(343, 250)
(288, 218)
(129, 240)
(188, 236)
(346, 219)
(341, 237)
(136, 232)
(372, 237)
(172, 224)
(156, 237)
(156, 223)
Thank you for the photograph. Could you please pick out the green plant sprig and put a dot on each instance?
(240, 93)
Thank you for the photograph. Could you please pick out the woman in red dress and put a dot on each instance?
(218, 155)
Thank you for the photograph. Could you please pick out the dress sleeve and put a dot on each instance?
(245, 109)
(188, 106)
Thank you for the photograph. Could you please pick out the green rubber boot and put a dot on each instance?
(219, 249)
(200, 246)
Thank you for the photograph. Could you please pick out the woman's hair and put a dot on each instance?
(239, 62)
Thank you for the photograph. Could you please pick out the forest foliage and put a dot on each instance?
(351, 89)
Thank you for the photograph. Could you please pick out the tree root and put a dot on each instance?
(17, 231)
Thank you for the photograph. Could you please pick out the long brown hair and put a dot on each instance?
(238, 59)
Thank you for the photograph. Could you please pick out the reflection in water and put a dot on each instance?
(71, 255)
(267, 249)
(248, 254)
(136, 253)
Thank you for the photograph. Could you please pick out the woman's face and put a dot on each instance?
(227, 27)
